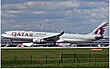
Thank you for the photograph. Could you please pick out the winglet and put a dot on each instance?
(61, 33)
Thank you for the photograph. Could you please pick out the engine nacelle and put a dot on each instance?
(105, 37)
(38, 40)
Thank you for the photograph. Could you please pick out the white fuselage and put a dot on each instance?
(56, 37)
(29, 36)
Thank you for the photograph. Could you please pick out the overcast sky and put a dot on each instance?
(72, 16)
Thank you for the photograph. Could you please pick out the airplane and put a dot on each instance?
(42, 37)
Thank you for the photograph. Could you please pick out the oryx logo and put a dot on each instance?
(101, 29)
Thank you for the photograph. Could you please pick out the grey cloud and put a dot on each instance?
(71, 15)
(94, 0)
(42, 5)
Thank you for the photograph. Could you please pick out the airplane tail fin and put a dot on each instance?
(100, 29)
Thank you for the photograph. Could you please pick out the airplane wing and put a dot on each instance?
(53, 38)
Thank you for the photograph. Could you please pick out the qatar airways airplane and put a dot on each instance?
(41, 37)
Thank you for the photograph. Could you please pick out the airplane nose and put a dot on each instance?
(2, 35)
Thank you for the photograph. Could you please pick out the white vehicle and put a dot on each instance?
(63, 44)
(25, 45)
(42, 37)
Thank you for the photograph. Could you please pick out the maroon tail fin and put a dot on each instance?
(100, 29)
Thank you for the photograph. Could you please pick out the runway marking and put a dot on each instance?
(97, 49)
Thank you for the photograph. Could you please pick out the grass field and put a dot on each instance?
(55, 58)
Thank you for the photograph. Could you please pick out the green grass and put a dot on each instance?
(54, 58)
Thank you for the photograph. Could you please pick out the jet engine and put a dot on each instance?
(38, 40)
